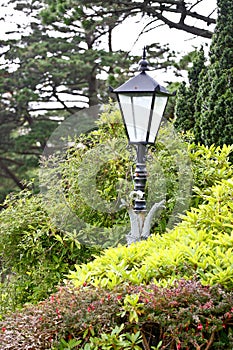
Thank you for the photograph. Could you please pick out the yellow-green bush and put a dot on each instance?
(200, 246)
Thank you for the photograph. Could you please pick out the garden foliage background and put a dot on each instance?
(65, 287)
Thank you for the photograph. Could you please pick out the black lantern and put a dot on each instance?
(142, 102)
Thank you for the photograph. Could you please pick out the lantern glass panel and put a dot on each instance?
(158, 110)
(136, 113)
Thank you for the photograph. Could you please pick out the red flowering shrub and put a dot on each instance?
(185, 316)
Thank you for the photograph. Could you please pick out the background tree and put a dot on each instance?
(157, 12)
(214, 107)
(187, 95)
(49, 81)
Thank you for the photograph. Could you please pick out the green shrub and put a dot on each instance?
(34, 255)
(209, 166)
(38, 254)
(96, 173)
(140, 280)
(38, 251)
(185, 316)
(201, 246)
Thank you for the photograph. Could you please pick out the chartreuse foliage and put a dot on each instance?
(209, 166)
(200, 246)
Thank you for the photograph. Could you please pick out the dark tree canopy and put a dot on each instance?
(157, 11)
(206, 105)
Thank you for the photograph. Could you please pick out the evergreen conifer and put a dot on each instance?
(214, 105)
(185, 103)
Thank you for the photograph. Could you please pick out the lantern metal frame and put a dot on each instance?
(135, 90)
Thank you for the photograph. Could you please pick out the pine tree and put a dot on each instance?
(214, 106)
(62, 62)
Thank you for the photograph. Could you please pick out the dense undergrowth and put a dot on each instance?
(185, 316)
(37, 253)
(171, 292)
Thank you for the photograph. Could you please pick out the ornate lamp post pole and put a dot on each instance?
(142, 102)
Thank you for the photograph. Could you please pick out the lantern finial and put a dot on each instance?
(143, 64)
(144, 53)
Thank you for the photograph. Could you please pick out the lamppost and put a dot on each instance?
(142, 102)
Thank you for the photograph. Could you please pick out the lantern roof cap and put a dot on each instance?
(141, 82)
